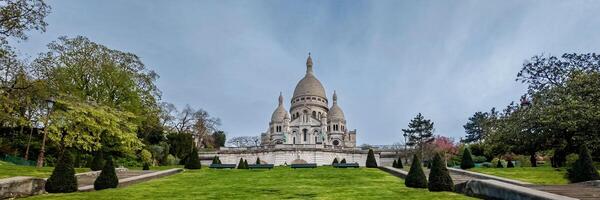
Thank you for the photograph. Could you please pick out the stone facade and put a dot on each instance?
(310, 119)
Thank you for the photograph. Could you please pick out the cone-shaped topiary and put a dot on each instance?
(257, 160)
(395, 165)
(467, 160)
(193, 162)
(63, 178)
(499, 165)
(416, 177)
(97, 162)
(219, 160)
(399, 164)
(335, 161)
(108, 177)
(214, 160)
(343, 161)
(146, 166)
(246, 164)
(509, 163)
(371, 162)
(429, 164)
(583, 169)
(439, 177)
(241, 164)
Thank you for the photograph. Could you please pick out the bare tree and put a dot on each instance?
(244, 141)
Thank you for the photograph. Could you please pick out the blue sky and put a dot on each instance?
(388, 60)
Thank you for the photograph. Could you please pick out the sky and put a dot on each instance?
(387, 60)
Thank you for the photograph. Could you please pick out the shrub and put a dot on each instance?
(193, 162)
(146, 166)
(399, 164)
(509, 164)
(246, 164)
(486, 164)
(343, 161)
(416, 177)
(257, 160)
(108, 177)
(371, 162)
(335, 161)
(146, 156)
(97, 161)
(583, 169)
(467, 160)
(439, 177)
(241, 164)
(63, 178)
(172, 160)
(394, 164)
(479, 159)
(219, 160)
(214, 160)
(523, 161)
(499, 165)
(571, 159)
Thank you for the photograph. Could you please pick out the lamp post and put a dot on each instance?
(40, 161)
(405, 153)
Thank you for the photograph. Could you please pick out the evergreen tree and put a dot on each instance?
(395, 165)
(499, 165)
(257, 160)
(335, 161)
(214, 160)
(193, 162)
(218, 160)
(146, 166)
(241, 164)
(371, 161)
(416, 177)
(399, 164)
(246, 164)
(583, 169)
(63, 178)
(509, 163)
(439, 177)
(343, 161)
(467, 160)
(419, 132)
(97, 161)
(108, 177)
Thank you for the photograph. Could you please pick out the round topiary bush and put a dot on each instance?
(371, 161)
(63, 178)
(108, 177)
(439, 177)
(467, 160)
(583, 169)
(335, 161)
(416, 177)
(193, 162)
(97, 162)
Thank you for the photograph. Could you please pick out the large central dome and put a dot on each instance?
(309, 85)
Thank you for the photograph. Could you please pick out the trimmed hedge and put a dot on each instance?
(343, 161)
(193, 162)
(63, 178)
(467, 160)
(257, 160)
(416, 177)
(97, 162)
(108, 177)
(439, 177)
(241, 164)
(335, 161)
(371, 161)
(583, 169)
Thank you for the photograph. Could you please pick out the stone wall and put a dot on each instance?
(286, 156)
(21, 186)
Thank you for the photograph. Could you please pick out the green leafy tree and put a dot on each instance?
(108, 177)
(63, 178)
(193, 162)
(18, 16)
(439, 177)
(583, 169)
(419, 132)
(416, 177)
(371, 161)
(479, 125)
(467, 160)
(220, 138)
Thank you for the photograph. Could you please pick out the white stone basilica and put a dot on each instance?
(310, 121)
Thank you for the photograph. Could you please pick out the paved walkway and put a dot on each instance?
(89, 180)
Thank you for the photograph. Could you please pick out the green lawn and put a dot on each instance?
(536, 175)
(279, 183)
(9, 170)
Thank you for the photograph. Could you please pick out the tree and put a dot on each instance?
(416, 177)
(467, 160)
(193, 162)
(257, 160)
(499, 165)
(343, 161)
(399, 164)
(439, 177)
(479, 125)
(583, 169)
(97, 161)
(371, 162)
(18, 16)
(335, 161)
(241, 164)
(419, 132)
(246, 164)
(219, 138)
(395, 164)
(63, 178)
(108, 177)
(244, 141)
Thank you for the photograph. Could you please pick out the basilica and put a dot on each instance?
(310, 121)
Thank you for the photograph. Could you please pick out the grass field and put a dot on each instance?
(537, 175)
(10, 170)
(279, 183)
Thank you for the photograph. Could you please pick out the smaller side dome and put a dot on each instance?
(280, 113)
(335, 112)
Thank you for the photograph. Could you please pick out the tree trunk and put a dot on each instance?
(533, 160)
(28, 144)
